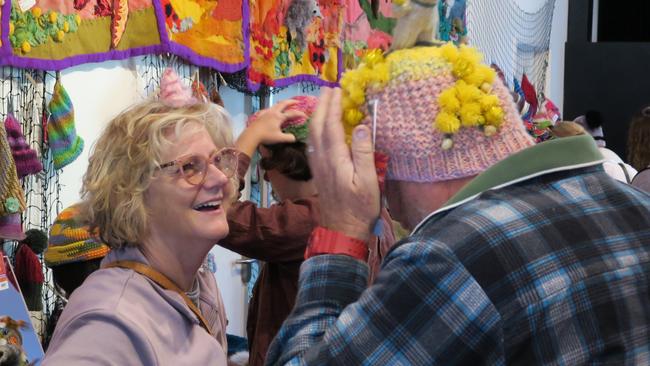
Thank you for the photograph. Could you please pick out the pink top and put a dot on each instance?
(119, 317)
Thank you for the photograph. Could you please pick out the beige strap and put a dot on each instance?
(163, 282)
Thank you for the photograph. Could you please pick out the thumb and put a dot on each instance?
(363, 157)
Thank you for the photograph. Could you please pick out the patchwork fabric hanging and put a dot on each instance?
(64, 142)
(293, 41)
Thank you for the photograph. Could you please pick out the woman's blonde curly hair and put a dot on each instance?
(125, 158)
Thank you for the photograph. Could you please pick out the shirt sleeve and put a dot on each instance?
(275, 234)
(424, 308)
(97, 338)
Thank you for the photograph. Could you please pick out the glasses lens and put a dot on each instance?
(193, 169)
(226, 161)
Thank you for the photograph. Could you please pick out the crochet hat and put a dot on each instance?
(173, 92)
(25, 157)
(12, 197)
(11, 227)
(62, 135)
(299, 127)
(71, 240)
(440, 113)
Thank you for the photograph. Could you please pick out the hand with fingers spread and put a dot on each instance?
(265, 127)
(345, 177)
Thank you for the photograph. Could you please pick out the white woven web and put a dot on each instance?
(515, 39)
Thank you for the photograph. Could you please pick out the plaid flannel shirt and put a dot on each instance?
(545, 264)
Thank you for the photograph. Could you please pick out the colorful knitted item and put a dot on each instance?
(71, 241)
(11, 227)
(299, 127)
(440, 114)
(25, 157)
(172, 92)
(12, 197)
(64, 142)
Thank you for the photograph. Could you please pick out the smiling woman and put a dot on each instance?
(159, 182)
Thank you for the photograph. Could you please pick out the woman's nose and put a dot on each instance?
(214, 177)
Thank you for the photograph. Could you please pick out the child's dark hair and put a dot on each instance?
(289, 159)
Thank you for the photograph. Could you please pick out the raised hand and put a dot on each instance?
(345, 178)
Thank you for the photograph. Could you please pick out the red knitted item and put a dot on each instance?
(28, 267)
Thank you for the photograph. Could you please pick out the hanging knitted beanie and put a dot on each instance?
(25, 157)
(12, 197)
(63, 140)
(71, 240)
(440, 113)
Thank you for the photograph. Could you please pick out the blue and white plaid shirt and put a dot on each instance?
(549, 267)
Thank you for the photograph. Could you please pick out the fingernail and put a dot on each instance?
(361, 134)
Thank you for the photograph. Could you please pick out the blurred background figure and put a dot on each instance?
(638, 147)
(614, 166)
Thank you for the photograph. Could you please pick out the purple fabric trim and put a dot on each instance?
(44, 64)
(160, 19)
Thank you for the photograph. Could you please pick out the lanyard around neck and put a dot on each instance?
(163, 282)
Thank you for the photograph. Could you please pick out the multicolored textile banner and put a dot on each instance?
(295, 40)
(55, 34)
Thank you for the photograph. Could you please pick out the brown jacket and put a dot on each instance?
(278, 236)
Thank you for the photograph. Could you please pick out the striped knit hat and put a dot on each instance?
(440, 113)
(62, 135)
(71, 241)
(25, 157)
(12, 197)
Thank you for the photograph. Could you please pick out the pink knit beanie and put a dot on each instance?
(440, 113)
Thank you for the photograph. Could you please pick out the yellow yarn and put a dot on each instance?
(470, 115)
(447, 123)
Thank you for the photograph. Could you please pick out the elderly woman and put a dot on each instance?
(158, 186)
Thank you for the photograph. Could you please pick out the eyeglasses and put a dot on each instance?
(194, 167)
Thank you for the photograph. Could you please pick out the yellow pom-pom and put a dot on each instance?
(26, 47)
(77, 19)
(467, 93)
(36, 12)
(357, 96)
(447, 122)
(66, 27)
(53, 16)
(352, 117)
(448, 100)
(382, 74)
(494, 116)
(449, 52)
(373, 57)
(12, 27)
(471, 54)
(481, 74)
(489, 101)
(470, 114)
